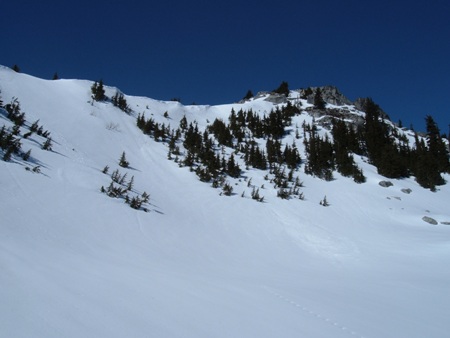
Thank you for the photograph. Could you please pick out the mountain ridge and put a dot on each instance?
(199, 264)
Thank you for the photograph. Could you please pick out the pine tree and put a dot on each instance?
(123, 161)
(283, 193)
(232, 168)
(130, 184)
(26, 156)
(118, 100)
(7, 155)
(437, 147)
(381, 148)
(227, 189)
(47, 144)
(255, 194)
(319, 102)
(183, 123)
(34, 127)
(98, 92)
(145, 197)
(283, 88)
(248, 96)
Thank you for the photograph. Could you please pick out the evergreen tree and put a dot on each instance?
(221, 132)
(283, 89)
(437, 147)
(232, 167)
(123, 161)
(98, 92)
(47, 144)
(343, 144)
(55, 76)
(227, 189)
(26, 155)
(34, 127)
(118, 100)
(7, 155)
(145, 197)
(14, 113)
(320, 156)
(249, 95)
(16, 68)
(319, 102)
(307, 92)
(381, 147)
(431, 159)
(130, 184)
(183, 123)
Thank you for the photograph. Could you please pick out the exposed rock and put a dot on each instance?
(406, 191)
(330, 94)
(429, 220)
(385, 184)
(325, 117)
(445, 223)
(276, 98)
(259, 95)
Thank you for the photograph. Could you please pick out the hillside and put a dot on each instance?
(196, 263)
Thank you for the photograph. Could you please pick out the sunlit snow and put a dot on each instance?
(76, 263)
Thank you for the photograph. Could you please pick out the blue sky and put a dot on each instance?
(211, 52)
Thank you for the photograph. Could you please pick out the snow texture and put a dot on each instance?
(76, 263)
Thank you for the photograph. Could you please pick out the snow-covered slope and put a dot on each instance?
(76, 263)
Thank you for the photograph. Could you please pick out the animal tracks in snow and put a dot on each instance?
(314, 314)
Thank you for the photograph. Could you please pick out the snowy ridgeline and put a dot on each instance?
(205, 261)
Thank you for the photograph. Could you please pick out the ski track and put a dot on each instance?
(308, 311)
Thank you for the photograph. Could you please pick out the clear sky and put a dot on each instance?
(212, 52)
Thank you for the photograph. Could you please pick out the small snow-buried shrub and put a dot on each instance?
(113, 126)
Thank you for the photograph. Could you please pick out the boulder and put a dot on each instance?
(429, 220)
(385, 184)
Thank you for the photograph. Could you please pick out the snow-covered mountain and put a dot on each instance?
(78, 263)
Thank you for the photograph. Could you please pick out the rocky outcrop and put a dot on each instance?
(429, 220)
(276, 98)
(330, 94)
(385, 184)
